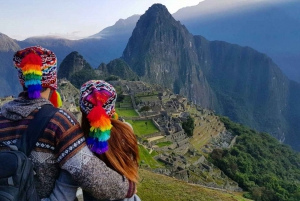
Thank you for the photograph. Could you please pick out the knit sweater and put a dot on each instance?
(61, 146)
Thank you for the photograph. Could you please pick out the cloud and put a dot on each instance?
(75, 35)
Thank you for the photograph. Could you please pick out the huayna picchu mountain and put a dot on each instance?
(235, 81)
(162, 51)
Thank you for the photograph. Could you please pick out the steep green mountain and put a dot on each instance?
(260, 164)
(75, 68)
(162, 51)
(74, 62)
(235, 81)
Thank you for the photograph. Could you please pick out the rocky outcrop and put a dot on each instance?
(73, 63)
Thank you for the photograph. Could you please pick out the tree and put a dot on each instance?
(188, 126)
(145, 108)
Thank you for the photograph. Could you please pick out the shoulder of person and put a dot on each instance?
(64, 115)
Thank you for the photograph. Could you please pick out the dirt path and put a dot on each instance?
(155, 138)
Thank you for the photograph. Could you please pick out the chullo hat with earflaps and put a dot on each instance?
(37, 69)
(97, 101)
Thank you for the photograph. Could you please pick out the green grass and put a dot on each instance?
(163, 144)
(126, 112)
(147, 158)
(154, 153)
(157, 187)
(140, 128)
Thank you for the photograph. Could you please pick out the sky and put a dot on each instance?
(73, 19)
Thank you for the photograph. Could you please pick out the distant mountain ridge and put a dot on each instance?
(235, 81)
(121, 27)
(271, 27)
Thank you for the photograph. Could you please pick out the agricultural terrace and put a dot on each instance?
(146, 96)
(124, 107)
(143, 127)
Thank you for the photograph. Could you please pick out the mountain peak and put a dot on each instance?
(157, 10)
(163, 50)
(8, 44)
(73, 63)
(157, 7)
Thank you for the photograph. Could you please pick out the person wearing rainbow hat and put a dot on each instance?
(62, 145)
(110, 139)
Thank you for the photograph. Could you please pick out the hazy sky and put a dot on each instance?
(71, 18)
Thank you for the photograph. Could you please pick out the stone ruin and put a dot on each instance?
(182, 161)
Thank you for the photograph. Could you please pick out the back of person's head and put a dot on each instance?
(112, 140)
(37, 70)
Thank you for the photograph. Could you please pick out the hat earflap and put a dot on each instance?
(55, 99)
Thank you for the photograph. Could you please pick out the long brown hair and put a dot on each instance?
(123, 153)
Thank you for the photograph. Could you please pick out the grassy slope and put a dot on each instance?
(147, 158)
(157, 187)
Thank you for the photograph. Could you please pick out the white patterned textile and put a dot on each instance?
(76, 162)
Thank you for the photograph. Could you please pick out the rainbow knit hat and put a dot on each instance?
(97, 101)
(37, 69)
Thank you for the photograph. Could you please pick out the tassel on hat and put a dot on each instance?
(97, 100)
(31, 68)
(100, 130)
